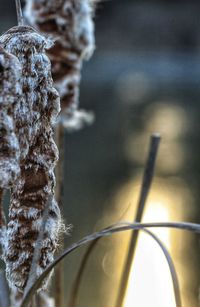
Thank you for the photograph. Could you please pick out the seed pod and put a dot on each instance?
(70, 23)
(36, 182)
(10, 72)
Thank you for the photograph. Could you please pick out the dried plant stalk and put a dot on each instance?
(39, 154)
(70, 23)
(108, 231)
(4, 291)
(2, 225)
(145, 189)
(59, 270)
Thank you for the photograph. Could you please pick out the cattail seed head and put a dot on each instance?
(70, 24)
(35, 118)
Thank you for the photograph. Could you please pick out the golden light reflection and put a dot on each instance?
(171, 121)
(169, 151)
(150, 281)
(168, 118)
(169, 200)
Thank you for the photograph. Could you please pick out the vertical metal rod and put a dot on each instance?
(145, 188)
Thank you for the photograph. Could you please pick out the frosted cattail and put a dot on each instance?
(70, 23)
(10, 73)
(36, 182)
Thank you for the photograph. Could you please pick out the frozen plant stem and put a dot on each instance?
(4, 291)
(1, 208)
(20, 18)
(59, 270)
(2, 220)
(77, 283)
(146, 185)
(108, 231)
(59, 282)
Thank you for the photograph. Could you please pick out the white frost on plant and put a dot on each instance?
(10, 74)
(70, 24)
(79, 119)
(34, 118)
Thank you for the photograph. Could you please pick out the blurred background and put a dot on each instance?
(144, 77)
